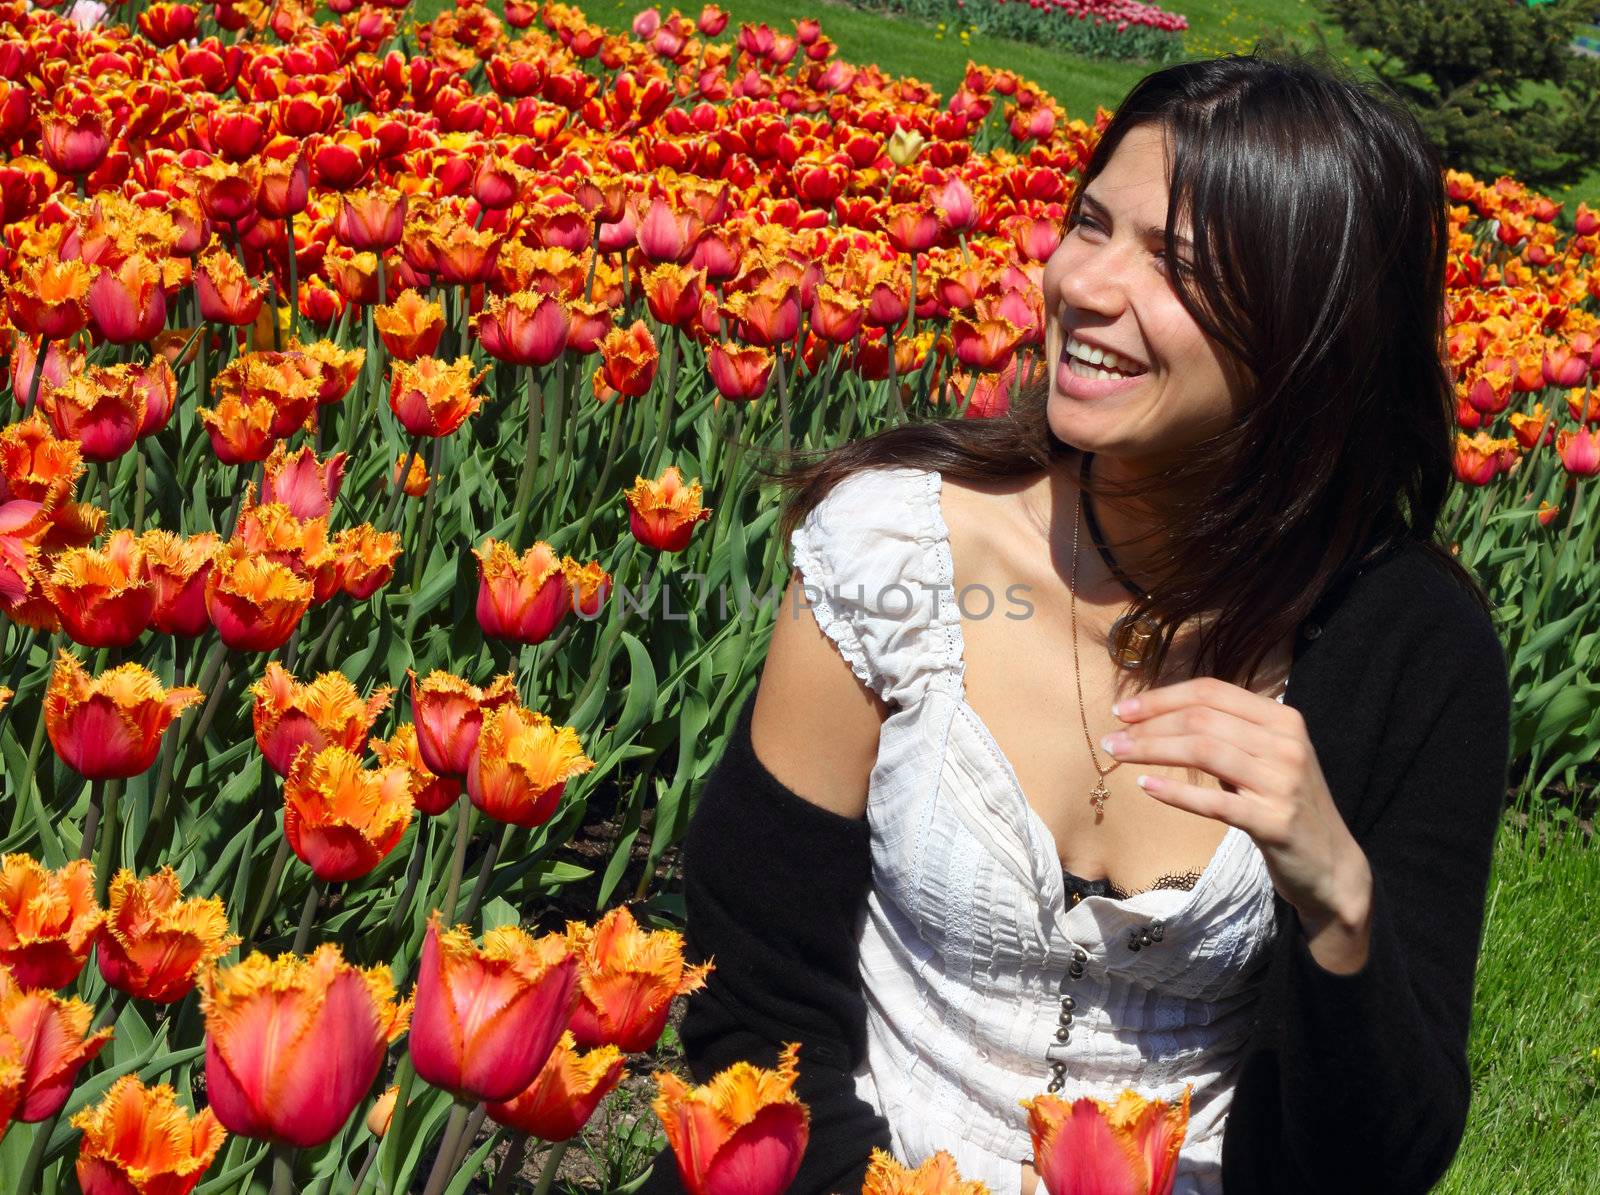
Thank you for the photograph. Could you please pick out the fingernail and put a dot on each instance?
(1125, 708)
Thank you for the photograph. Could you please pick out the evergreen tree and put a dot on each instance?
(1497, 84)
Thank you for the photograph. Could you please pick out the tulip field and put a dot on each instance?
(386, 546)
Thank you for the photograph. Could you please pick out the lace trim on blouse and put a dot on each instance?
(1078, 887)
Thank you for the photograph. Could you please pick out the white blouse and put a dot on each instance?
(981, 983)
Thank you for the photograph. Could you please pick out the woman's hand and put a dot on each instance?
(1030, 1179)
(1272, 789)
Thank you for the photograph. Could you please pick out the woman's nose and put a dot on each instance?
(1095, 281)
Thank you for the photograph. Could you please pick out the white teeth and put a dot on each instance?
(1079, 369)
(1095, 356)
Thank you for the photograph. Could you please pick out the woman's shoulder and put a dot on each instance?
(1413, 590)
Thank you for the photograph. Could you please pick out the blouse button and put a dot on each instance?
(1068, 1003)
(1078, 954)
(1063, 1033)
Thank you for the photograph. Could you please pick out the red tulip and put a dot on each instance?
(487, 1018)
(294, 1044)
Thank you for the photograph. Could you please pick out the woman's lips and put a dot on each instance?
(1074, 386)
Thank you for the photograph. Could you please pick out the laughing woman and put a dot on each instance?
(1144, 736)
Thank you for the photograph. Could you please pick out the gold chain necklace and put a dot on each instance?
(1101, 792)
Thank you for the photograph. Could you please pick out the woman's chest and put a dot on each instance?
(973, 878)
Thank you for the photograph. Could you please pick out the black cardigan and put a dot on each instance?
(1351, 1083)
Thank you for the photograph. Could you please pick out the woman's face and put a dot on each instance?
(1110, 285)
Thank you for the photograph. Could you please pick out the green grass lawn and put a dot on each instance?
(1534, 1127)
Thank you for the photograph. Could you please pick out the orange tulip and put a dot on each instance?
(365, 559)
(673, 293)
(48, 920)
(44, 1042)
(564, 1095)
(463, 255)
(110, 726)
(526, 328)
(411, 326)
(334, 369)
(371, 219)
(340, 818)
(294, 1044)
(430, 793)
(254, 604)
(521, 765)
(449, 713)
(836, 315)
(138, 1141)
(488, 1017)
(127, 302)
(105, 597)
(740, 372)
(984, 343)
(662, 514)
(668, 232)
(327, 712)
(153, 944)
(35, 465)
(240, 428)
(227, 295)
(936, 1176)
(744, 1131)
(1579, 451)
(1126, 1147)
(178, 568)
(50, 298)
(524, 598)
(627, 982)
(381, 1114)
(308, 487)
(431, 397)
(767, 316)
(629, 359)
(416, 481)
(103, 409)
(5, 696)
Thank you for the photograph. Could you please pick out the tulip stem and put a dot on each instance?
(972, 388)
(419, 853)
(594, 256)
(138, 487)
(91, 822)
(558, 423)
(511, 1167)
(116, 1001)
(421, 556)
(458, 861)
(530, 457)
(308, 916)
(283, 1169)
(316, 651)
(274, 874)
(38, 374)
(35, 1161)
(443, 1162)
(664, 413)
(490, 857)
(386, 523)
(605, 474)
(294, 277)
(552, 1163)
(108, 841)
(783, 400)
(469, 1134)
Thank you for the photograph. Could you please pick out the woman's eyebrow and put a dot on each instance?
(1151, 231)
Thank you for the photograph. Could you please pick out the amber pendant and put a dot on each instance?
(1127, 637)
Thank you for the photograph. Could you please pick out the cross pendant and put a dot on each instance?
(1099, 795)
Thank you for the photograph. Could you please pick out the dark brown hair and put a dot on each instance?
(1320, 231)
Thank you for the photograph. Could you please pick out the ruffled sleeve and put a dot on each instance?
(873, 555)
